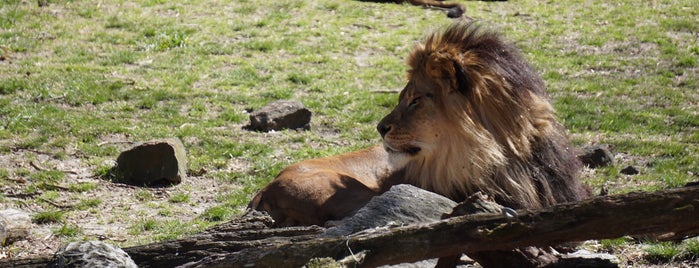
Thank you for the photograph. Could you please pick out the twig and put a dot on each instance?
(54, 186)
(21, 195)
(37, 167)
(56, 98)
(388, 91)
(20, 180)
(15, 149)
(122, 185)
(55, 204)
(113, 142)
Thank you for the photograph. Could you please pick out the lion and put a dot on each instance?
(454, 10)
(473, 116)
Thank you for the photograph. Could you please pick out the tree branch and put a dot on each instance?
(671, 211)
(240, 243)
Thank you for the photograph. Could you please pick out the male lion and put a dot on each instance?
(473, 117)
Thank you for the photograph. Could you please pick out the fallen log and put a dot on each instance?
(672, 211)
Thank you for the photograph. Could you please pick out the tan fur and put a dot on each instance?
(473, 117)
(317, 190)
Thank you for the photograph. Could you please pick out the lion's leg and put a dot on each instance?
(300, 198)
(454, 10)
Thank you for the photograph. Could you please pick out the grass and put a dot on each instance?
(663, 252)
(80, 81)
(68, 230)
(179, 197)
(51, 216)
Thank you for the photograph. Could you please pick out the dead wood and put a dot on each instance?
(670, 211)
(239, 244)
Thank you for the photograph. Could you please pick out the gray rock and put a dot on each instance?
(281, 114)
(596, 156)
(629, 170)
(14, 226)
(157, 162)
(584, 259)
(402, 204)
(92, 254)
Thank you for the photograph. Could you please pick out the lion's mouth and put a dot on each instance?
(413, 150)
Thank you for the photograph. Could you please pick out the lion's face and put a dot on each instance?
(414, 127)
(409, 128)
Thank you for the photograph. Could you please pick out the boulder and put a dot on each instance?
(157, 162)
(402, 204)
(281, 114)
(14, 226)
(595, 156)
(92, 254)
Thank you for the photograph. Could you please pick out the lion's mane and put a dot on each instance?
(503, 137)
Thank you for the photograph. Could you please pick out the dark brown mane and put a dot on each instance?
(505, 98)
(471, 46)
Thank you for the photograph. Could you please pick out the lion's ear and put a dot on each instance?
(442, 66)
(463, 84)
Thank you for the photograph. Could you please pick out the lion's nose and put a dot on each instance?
(383, 129)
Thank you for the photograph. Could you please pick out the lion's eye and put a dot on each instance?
(414, 102)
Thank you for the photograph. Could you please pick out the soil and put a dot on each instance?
(114, 219)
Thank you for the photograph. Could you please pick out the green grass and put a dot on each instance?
(79, 80)
(88, 203)
(217, 213)
(661, 252)
(179, 197)
(83, 187)
(68, 230)
(50, 216)
(143, 225)
(611, 244)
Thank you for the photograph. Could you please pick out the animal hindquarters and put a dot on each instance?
(311, 198)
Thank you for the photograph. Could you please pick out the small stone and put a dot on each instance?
(629, 170)
(596, 156)
(281, 114)
(455, 12)
(14, 226)
(157, 162)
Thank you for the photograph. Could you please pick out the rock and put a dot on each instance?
(583, 258)
(157, 162)
(281, 114)
(92, 254)
(402, 204)
(479, 203)
(629, 170)
(456, 12)
(596, 156)
(14, 226)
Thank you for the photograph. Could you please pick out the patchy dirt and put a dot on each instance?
(114, 216)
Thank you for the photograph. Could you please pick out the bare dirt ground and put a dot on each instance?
(124, 203)
(112, 219)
